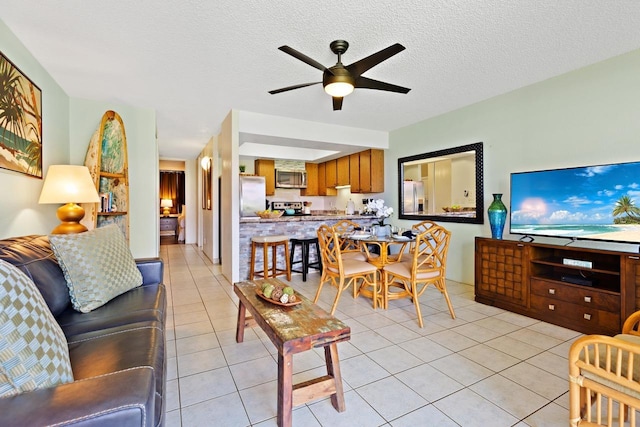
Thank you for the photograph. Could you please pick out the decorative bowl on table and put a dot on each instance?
(269, 214)
(277, 294)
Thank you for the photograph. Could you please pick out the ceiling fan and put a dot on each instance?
(340, 80)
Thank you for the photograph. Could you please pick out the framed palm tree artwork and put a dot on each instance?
(20, 121)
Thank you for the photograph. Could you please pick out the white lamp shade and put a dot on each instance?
(68, 184)
(166, 203)
(339, 89)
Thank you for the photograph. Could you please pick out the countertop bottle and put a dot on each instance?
(351, 207)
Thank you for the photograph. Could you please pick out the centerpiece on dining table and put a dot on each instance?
(381, 212)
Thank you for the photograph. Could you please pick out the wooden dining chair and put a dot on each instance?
(423, 226)
(349, 248)
(344, 272)
(426, 266)
(418, 228)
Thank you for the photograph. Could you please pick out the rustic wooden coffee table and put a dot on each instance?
(293, 330)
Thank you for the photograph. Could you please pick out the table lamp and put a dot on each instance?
(166, 204)
(69, 184)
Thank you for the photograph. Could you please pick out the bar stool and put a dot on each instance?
(304, 243)
(270, 241)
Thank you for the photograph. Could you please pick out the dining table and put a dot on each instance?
(383, 258)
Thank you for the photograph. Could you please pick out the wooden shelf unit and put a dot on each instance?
(108, 165)
(532, 279)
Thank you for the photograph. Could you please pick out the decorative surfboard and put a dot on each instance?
(108, 165)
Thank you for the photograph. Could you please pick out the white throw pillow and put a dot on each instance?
(97, 265)
(33, 350)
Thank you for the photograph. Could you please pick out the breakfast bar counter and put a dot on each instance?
(289, 225)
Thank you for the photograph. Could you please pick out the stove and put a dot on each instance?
(297, 206)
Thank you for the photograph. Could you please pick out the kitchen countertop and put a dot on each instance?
(312, 217)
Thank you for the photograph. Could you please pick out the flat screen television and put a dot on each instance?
(592, 203)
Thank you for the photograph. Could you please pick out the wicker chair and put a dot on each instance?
(343, 273)
(423, 226)
(418, 228)
(604, 375)
(349, 248)
(426, 267)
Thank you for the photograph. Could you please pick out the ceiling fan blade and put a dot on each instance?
(304, 58)
(366, 83)
(359, 67)
(284, 89)
(337, 103)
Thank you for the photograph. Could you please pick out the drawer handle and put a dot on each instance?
(552, 291)
(552, 307)
(587, 316)
(634, 257)
(587, 299)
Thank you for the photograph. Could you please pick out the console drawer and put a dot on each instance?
(579, 316)
(575, 294)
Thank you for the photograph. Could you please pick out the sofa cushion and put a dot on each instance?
(97, 265)
(142, 304)
(116, 350)
(34, 257)
(33, 349)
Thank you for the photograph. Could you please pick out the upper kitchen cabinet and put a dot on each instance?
(323, 190)
(354, 172)
(312, 180)
(342, 166)
(331, 174)
(267, 168)
(371, 171)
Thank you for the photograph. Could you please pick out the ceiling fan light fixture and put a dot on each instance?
(337, 81)
(340, 80)
(339, 89)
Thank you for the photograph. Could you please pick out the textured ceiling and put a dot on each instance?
(194, 60)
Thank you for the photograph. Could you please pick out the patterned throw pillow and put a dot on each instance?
(33, 350)
(97, 265)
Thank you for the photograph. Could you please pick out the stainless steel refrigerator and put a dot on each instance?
(413, 197)
(253, 195)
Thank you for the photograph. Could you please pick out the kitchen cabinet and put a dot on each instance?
(267, 168)
(331, 174)
(363, 171)
(371, 171)
(312, 180)
(342, 170)
(322, 181)
(354, 172)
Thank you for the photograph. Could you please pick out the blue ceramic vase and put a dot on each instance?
(497, 216)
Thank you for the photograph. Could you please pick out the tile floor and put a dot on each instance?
(488, 367)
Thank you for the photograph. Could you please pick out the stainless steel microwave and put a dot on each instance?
(291, 179)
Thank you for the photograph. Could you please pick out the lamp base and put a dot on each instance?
(70, 216)
(166, 211)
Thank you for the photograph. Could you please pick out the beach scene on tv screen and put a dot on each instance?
(595, 202)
